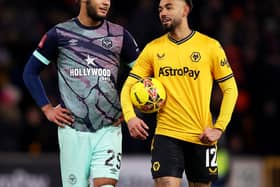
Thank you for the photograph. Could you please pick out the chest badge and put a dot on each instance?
(107, 43)
(195, 56)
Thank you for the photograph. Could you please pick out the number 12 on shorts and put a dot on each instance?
(211, 157)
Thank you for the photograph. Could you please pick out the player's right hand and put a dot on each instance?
(58, 115)
(138, 128)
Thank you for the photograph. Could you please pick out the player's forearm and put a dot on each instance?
(33, 83)
(127, 107)
(230, 93)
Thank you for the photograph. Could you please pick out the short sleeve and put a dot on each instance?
(130, 50)
(144, 63)
(47, 49)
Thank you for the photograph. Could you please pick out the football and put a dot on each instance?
(148, 95)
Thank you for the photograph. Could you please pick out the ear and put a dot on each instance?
(186, 10)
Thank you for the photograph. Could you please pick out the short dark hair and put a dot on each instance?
(190, 3)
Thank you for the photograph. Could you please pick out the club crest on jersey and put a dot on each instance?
(107, 43)
(195, 56)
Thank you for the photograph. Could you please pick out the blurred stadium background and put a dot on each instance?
(249, 32)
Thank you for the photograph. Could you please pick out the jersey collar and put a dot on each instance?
(178, 42)
(76, 20)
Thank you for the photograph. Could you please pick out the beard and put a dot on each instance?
(171, 26)
(167, 28)
(92, 13)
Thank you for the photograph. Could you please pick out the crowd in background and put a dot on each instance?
(248, 30)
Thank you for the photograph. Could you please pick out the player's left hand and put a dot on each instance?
(210, 135)
(138, 128)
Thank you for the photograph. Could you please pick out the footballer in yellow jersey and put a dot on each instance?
(187, 69)
(187, 63)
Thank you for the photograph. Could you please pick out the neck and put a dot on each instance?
(85, 19)
(180, 32)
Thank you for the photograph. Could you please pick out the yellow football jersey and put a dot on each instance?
(187, 69)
